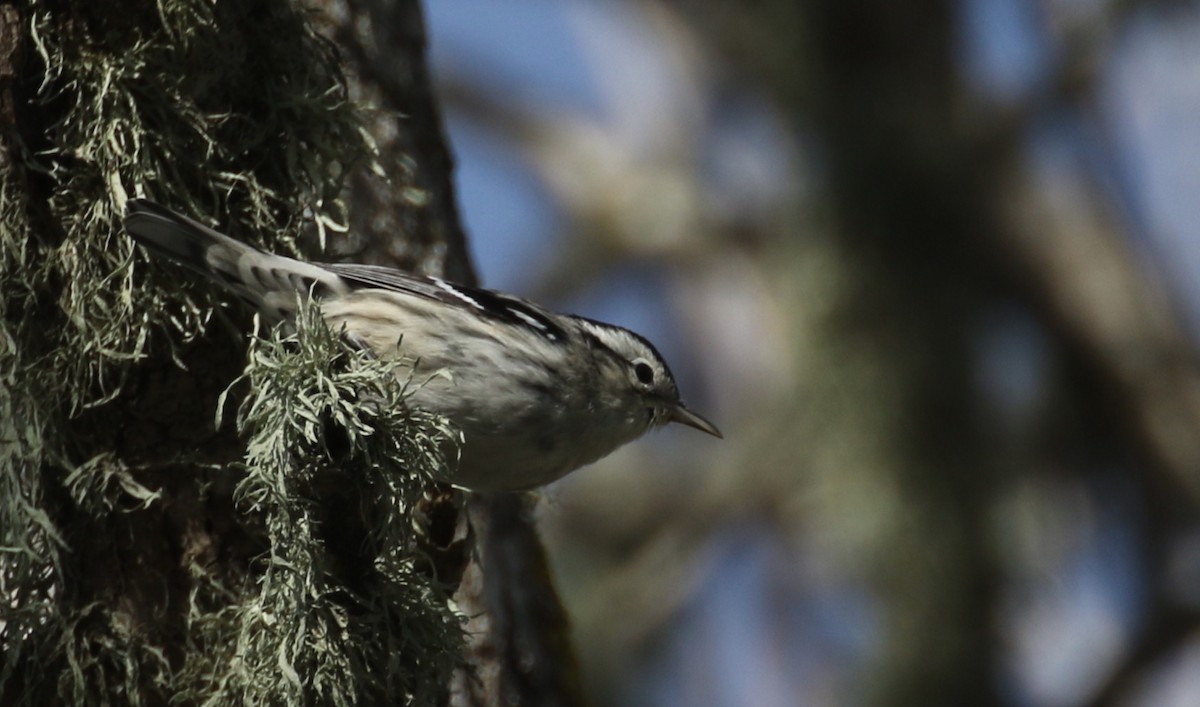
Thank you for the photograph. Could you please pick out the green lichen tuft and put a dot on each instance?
(335, 460)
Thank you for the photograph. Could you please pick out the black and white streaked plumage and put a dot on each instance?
(535, 394)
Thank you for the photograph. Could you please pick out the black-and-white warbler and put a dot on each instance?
(535, 394)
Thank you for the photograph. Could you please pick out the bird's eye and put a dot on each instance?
(644, 373)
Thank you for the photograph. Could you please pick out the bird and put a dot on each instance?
(534, 394)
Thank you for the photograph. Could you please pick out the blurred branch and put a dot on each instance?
(1068, 253)
(1166, 631)
(1117, 327)
(622, 200)
(1134, 366)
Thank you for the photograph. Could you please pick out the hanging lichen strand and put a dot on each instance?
(335, 462)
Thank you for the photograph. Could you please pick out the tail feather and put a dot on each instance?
(176, 236)
(271, 283)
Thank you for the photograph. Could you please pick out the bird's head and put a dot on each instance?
(641, 378)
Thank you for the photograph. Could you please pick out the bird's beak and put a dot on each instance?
(680, 414)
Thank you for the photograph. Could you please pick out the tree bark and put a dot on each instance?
(128, 502)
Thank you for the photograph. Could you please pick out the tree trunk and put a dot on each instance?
(148, 554)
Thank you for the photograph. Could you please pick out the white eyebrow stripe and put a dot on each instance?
(459, 294)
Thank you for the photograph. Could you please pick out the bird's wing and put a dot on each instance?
(483, 302)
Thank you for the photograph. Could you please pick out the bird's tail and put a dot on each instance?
(269, 283)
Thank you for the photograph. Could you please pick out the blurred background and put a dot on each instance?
(934, 269)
